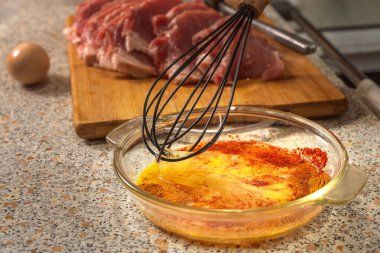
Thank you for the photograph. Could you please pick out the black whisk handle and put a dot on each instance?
(257, 5)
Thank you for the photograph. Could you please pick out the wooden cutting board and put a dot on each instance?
(104, 99)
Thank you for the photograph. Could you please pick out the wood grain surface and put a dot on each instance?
(103, 99)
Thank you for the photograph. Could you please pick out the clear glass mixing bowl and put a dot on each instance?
(246, 225)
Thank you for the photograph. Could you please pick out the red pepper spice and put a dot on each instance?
(256, 182)
(292, 174)
(274, 155)
(316, 156)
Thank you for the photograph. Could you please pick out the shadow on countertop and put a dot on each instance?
(54, 85)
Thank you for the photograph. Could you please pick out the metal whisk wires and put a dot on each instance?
(232, 34)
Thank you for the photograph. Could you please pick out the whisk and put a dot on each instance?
(233, 33)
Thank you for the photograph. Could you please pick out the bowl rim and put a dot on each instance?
(310, 199)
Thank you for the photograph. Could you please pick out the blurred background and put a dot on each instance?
(352, 26)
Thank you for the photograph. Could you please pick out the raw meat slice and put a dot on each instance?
(136, 64)
(105, 34)
(84, 11)
(176, 39)
(96, 25)
(136, 37)
(108, 39)
(259, 58)
(138, 29)
(161, 22)
(87, 8)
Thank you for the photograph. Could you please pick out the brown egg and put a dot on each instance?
(28, 63)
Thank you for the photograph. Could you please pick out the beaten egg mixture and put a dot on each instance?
(238, 175)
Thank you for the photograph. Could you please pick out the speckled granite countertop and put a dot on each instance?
(58, 193)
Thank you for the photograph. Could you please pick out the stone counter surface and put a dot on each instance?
(58, 193)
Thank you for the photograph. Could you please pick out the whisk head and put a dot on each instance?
(224, 45)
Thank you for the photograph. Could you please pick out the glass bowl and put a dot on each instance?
(240, 225)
